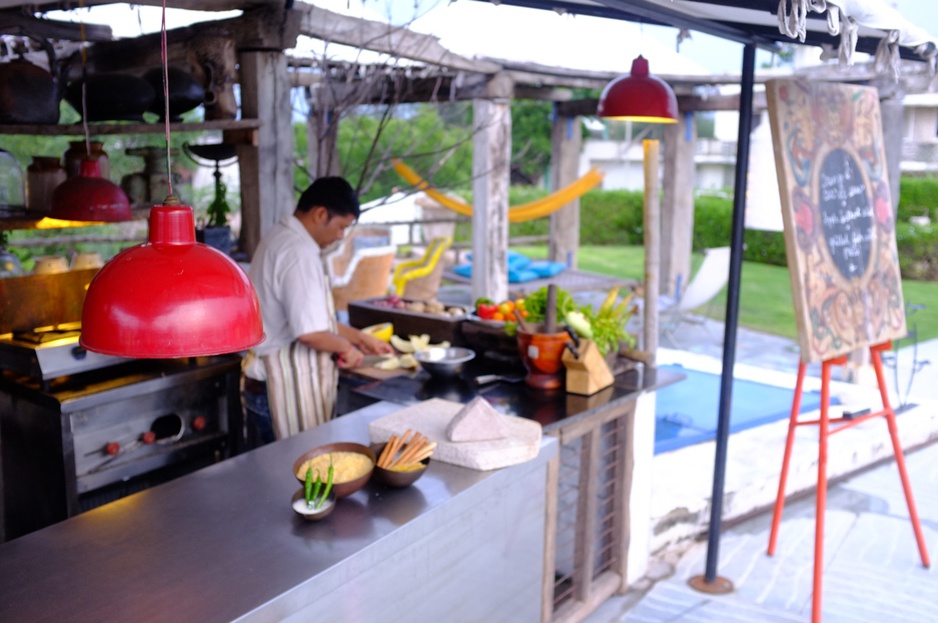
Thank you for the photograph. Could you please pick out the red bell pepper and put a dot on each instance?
(486, 311)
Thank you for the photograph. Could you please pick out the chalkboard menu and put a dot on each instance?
(837, 213)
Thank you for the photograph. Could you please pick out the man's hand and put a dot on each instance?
(352, 358)
(373, 346)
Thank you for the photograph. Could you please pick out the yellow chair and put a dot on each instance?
(420, 279)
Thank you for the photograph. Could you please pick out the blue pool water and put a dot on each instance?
(686, 411)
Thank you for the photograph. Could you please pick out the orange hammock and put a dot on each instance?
(525, 212)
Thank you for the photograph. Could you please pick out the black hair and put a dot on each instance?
(335, 194)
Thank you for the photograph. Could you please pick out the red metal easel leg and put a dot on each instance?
(900, 456)
(821, 492)
(789, 442)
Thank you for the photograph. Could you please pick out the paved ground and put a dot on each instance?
(873, 572)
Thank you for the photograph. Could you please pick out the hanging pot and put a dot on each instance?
(185, 92)
(111, 97)
(27, 94)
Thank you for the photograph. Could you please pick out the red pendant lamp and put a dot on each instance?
(89, 197)
(639, 96)
(170, 296)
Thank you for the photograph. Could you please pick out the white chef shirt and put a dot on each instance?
(291, 284)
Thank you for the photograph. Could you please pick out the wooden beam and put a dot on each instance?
(396, 41)
(265, 29)
(566, 142)
(491, 157)
(21, 24)
(267, 168)
(696, 103)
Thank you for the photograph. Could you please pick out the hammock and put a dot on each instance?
(518, 214)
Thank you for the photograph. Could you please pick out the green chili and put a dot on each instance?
(308, 486)
(328, 490)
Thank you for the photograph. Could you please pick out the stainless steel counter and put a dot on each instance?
(223, 544)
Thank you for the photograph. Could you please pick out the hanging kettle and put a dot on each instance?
(28, 94)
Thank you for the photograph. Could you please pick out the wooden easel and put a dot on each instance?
(825, 430)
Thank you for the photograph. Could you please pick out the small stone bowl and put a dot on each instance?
(299, 506)
(397, 479)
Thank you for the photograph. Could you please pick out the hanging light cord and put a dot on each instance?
(84, 80)
(164, 57)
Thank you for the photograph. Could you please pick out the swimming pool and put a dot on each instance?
(686, 412)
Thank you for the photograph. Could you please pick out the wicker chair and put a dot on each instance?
(420, 279)
(367, 276)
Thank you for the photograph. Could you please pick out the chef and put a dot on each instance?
(291, 378)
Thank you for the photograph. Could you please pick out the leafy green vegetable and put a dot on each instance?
(536, 304)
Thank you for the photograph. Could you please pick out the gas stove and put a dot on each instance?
(46, 353)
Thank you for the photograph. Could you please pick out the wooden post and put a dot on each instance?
(677, 218)
(267, 167)
(652, 222)
(566, 140)
(491, 157)
(322, 130)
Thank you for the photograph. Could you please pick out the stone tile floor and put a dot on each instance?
(872, 573)
(872, 569)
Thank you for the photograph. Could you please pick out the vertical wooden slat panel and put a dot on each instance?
(586, 516)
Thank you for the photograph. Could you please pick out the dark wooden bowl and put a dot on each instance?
(396, 479)
(341, 489)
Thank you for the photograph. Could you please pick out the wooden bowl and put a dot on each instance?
(341, 489)
(396, 479)
(298, 502)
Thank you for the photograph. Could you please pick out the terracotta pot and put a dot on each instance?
(541, 354)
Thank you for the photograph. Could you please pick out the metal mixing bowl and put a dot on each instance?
(444, 363)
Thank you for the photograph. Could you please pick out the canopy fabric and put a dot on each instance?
(538, 208)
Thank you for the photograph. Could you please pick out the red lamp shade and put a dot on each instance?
(89, 197)
(170, 297)
(639, 97)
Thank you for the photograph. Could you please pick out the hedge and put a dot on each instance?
(614, 217)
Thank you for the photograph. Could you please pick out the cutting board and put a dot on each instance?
(431, 417)
(368, 370)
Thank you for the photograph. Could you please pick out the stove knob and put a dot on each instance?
(148, 437)
(112, 448)
(198, 423)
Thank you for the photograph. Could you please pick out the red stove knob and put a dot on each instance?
(198, 423)
(148, 437)
(112, 448)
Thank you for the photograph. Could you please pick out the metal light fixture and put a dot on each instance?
(639, 96)
(649, 99)
(170, 296)
(89, 197)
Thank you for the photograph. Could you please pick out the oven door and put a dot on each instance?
(150, 428)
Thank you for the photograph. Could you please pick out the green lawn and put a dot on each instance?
(765, 291)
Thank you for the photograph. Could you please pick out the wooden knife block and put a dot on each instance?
(589, 373)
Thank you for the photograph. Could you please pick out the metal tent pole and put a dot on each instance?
(709, 582)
